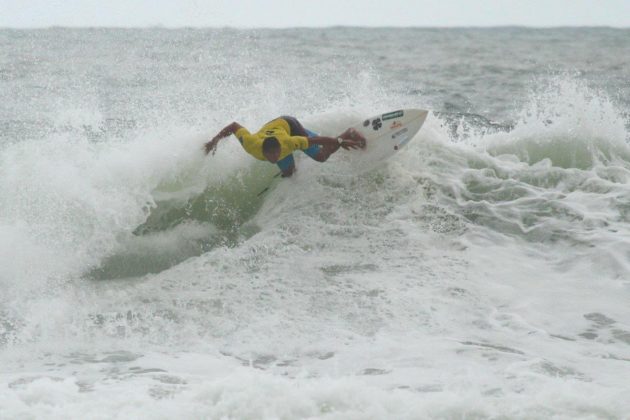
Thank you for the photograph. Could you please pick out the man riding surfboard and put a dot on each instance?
(276, 141)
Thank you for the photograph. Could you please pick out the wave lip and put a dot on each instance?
(567, 123)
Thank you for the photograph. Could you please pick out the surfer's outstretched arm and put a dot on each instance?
(228, 130)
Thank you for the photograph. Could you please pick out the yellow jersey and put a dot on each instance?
(278, 128)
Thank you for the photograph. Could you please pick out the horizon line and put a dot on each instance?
(176, 27)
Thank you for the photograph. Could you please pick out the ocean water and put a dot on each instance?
(484, 272)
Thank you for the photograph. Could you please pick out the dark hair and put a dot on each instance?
(270, 144)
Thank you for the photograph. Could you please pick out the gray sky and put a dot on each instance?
(287, 13)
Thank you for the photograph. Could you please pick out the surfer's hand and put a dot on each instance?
(352, 139)
(228, 130)
(211, 146)
(348, 144)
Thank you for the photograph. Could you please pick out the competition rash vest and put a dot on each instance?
(278, 128)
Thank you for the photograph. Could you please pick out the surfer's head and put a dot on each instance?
(271, 149)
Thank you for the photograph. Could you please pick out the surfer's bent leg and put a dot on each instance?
(295, 127)
(316, 152)
(287, 166)
(320, 153)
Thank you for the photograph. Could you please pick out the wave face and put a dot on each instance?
(482, 272)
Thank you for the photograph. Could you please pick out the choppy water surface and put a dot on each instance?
(483, 272)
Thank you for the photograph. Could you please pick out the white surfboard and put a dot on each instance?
(385, 135)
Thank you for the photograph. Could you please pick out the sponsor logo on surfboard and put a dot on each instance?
(376, 124)
(395, 125)
(392, 115)
(399, 133)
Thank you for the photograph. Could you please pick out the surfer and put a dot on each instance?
(276, 141)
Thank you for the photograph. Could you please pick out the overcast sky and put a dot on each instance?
(287, 13)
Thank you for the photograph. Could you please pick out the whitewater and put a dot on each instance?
(483, 272)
